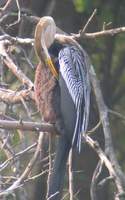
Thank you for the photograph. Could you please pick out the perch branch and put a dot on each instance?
(28, 126)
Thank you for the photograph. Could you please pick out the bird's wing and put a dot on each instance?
(73, 68)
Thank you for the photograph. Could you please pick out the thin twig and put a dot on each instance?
(28, 168)
(8, 161)
(94, 181)
(88, 22)
(94, 128)
(50, 162)
(19, 15)
(103, 111)
(6, 5)
(53, 195)
(104, 181)
(12, 97)
(26, 108)
(116, 113)
(107, 163)
(15, 69)
(19, 12)
(71, 174)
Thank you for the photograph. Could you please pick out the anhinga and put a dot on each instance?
(62, 91)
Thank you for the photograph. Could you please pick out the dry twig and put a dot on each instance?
(109, 150)
(6, 5)
(108, 164)
(11, 65)
(8, 161)
(27, 170)
(88, 22)
(13, 97)
(71, 175)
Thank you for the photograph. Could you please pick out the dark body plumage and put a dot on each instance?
(62, 102)
(54, 103)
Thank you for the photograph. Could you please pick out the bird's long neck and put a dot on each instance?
(41, 49)
(37, 43)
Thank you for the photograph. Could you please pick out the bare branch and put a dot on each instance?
(19, 13)
(29, 126)
(28, 168)
(17, 40)
(110, 32)
(107, 163)
(88, 22)
(71, 175)
(94, 128)
(10, 96)
(6, 5)
(116, 113)
(15, 69)
(50, 163)
(94, 181)
(6, 163)
(103, 111)
(104, 181)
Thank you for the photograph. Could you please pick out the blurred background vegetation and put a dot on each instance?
(107, 56)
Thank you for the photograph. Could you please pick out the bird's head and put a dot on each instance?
(44, 36)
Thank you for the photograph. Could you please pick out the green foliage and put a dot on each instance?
(2, 155)
(82, 5)
(15, 139)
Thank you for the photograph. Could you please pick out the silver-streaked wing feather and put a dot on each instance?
(73, 68)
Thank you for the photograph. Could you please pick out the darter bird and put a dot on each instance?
(62, 91)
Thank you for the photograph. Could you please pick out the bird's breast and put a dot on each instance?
(46, 93)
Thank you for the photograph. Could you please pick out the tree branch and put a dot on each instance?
(71, 185)
(88, 22)
(17, 40)
(109, 32)
(27, 126)
(27, 170)
(108, 164)
(6, 5)
(10, 96)
(11, 65)
(103, 111)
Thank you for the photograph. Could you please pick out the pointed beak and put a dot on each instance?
(52, 67)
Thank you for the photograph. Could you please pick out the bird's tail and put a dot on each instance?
(59, 168)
